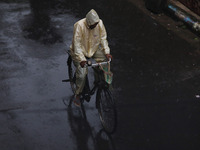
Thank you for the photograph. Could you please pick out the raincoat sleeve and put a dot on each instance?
(104, 41)
(77, 46)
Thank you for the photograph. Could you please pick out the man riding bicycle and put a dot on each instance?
(89, 41)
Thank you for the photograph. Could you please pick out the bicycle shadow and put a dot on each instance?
(83, 134)
(104, 141)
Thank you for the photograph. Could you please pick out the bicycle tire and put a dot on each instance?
(107, 110)
(71, 74)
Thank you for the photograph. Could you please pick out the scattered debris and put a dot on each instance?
(197, 96)
(182, 15)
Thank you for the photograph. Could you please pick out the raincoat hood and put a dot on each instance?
(92, 17)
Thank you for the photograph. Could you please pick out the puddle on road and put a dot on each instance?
(32, 74)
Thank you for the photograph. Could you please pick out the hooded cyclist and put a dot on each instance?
(89, 41)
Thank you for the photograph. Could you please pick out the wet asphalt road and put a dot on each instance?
(156, 78)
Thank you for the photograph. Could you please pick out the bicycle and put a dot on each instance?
(104, 100)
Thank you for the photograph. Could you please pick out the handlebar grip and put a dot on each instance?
(89, 63)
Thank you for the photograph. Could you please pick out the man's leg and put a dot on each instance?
(80, 81)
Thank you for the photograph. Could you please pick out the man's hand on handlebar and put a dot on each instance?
(83, 63)
(108, 56)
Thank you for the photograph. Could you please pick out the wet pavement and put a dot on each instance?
(156, 78)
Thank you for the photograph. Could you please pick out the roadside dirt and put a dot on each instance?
(172, 24)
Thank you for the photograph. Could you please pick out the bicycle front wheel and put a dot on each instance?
(106, 109)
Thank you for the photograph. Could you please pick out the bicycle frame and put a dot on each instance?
(87, 93)
(100, 83)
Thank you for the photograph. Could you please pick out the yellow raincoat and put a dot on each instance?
(87, 41)
(90, 43)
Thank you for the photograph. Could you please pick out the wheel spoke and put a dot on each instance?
(107, 110)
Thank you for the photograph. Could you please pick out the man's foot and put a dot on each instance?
(77, 101)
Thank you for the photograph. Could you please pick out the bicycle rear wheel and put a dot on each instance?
(106, 109)
(71, 73)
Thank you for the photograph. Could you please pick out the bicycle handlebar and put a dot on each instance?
(89, 63)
